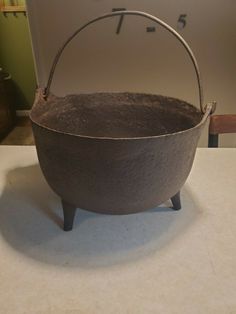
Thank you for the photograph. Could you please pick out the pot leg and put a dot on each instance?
(69, 215)
(176, 201)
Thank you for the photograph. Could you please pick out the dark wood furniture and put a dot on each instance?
(7, 111)
(220, 124)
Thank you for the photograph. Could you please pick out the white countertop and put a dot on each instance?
(160, 261)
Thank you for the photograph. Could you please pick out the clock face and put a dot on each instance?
(127, 53)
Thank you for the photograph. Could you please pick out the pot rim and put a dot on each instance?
(39, 97)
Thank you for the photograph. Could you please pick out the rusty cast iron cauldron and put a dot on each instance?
(116, 153)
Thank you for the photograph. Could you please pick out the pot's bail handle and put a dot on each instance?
(150, 17)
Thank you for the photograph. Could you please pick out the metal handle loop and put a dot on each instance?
(137, 13)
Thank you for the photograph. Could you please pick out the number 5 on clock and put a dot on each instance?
(182, 21)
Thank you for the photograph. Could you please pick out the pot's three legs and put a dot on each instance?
(69, 215)
(69, 211)
(176, 201)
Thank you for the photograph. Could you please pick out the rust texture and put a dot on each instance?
(116, 153)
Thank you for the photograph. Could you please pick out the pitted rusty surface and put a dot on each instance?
(105, 172)
(116, 115)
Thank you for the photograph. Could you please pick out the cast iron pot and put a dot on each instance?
(116, 153)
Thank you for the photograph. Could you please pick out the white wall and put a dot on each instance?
(135, 60)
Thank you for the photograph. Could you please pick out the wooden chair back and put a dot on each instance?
(220, 124)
